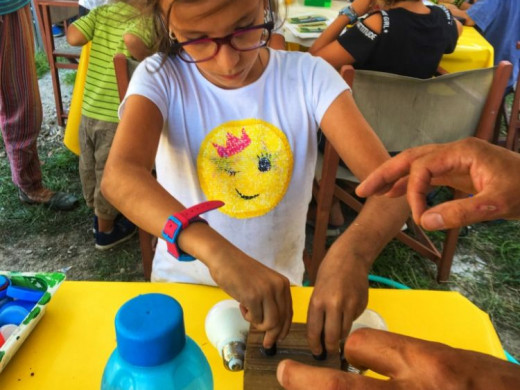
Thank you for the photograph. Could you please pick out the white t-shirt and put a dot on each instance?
(253, 147)
(91, 4)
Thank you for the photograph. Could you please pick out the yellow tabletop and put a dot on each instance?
(68, 349)
(472, 51)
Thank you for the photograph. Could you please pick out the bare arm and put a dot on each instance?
(75, 37)
(136, 47)
(327, 46)
(460, 13)
(341, 291)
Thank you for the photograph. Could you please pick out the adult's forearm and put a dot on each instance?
(377, 223)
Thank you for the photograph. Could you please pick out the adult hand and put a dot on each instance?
(340, 295)
(408, 362)
(264, 295)
(471, 165)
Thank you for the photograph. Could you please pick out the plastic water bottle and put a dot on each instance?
(153, 351)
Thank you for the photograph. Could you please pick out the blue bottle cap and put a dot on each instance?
(150, 330)
(11, 313)
(4, 283)
(24, 293)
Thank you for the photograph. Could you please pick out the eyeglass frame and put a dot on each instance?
(177, 46)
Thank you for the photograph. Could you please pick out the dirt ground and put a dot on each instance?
(72, 251)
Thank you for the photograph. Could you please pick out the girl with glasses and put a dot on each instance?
(225, 118)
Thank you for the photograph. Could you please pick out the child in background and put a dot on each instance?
(223, 117)
(405, 37)
(113, 28)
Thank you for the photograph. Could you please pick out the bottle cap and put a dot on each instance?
(24, 293)
(7, 330)
(4, 283)
(11, 313)
(150, 330)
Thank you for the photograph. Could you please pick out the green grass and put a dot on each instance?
(42, 65)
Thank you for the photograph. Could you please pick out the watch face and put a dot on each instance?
(247, 164)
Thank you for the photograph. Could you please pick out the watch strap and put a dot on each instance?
(349, 12)
(181, 220)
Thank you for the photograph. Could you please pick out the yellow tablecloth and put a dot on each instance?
(472, 52)
(68, 349)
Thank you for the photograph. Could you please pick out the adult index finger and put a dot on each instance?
(298, 376)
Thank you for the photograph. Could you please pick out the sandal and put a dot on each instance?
(58, 201)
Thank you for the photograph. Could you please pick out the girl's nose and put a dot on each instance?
(227, 57)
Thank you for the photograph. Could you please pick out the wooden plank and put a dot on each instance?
(260, 369)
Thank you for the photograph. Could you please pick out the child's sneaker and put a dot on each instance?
(57, 31)
(122, 231)
(95, 226)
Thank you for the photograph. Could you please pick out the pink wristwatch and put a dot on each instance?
(182, 220)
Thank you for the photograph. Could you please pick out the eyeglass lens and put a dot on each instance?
(242, 40)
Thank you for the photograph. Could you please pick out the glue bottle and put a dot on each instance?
(153, 350)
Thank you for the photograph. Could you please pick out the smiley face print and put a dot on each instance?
(247, 164)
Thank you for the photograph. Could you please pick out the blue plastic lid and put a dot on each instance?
(11, 313)
(150, 329)
(4, 283)
(24, 293)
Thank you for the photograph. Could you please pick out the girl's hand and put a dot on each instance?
(340, 296)
(264, 295)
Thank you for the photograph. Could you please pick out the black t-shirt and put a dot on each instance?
(409, 44)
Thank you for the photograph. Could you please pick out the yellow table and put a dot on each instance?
(68, 349)
(472, 51)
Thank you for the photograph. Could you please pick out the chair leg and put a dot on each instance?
(448, 251)
(147, 252)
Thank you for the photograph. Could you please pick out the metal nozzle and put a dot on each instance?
(233, 355)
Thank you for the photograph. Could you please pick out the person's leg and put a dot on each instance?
(87, 162)
(21, 111)
(103, 135)
(20, 104)
(113, 228)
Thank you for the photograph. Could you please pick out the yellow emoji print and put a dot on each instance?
(247, 164)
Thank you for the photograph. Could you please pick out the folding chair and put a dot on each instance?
(124, 67)
(513, 129)
(407, 112)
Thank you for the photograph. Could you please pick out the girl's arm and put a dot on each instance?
(129, 185)
(75, 37)
(341, 291)
(136, 47)
(327, 46)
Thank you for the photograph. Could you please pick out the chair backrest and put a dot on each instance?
(407, 112)
(124, 67)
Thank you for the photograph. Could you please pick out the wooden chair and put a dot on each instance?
(124, 68)
(513, 128)
(445, 108)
